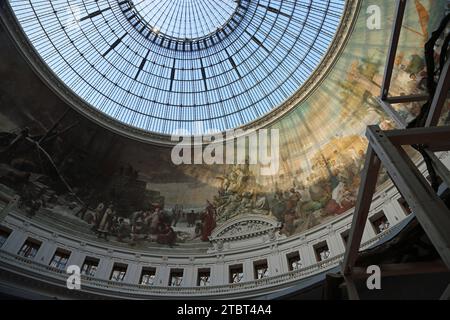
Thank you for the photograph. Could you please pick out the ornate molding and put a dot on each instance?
(244, 228)
(43, 272)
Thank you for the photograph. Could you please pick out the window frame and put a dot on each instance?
(32, 244)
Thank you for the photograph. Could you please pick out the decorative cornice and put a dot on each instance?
(37, 270)
(245, 227)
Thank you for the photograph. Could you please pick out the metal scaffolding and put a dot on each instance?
(386, 149)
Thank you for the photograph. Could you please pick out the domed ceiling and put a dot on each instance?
(197, 65)
(243, 57)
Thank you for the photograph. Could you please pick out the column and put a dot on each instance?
(104, 268)
(76, 259)
(393, 213)
(282, 258)
(46, 252)
(219, 274)
(307, 255)
(162, 276)
(189, 277)
(133, 274)
(248, 271)
(275, 264)
(369, 233)
(335, 244)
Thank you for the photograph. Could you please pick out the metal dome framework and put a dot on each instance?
(258, 57)
(188, 23)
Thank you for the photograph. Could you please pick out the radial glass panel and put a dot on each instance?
(197, 65)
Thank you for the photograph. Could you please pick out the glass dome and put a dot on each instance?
(197, 65)
(187, 19)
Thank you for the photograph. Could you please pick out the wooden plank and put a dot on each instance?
(365, 195)
(431, 212)
(387, 107)
(395, 36)
(433, 137)
(407, 98)
(440, 97)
